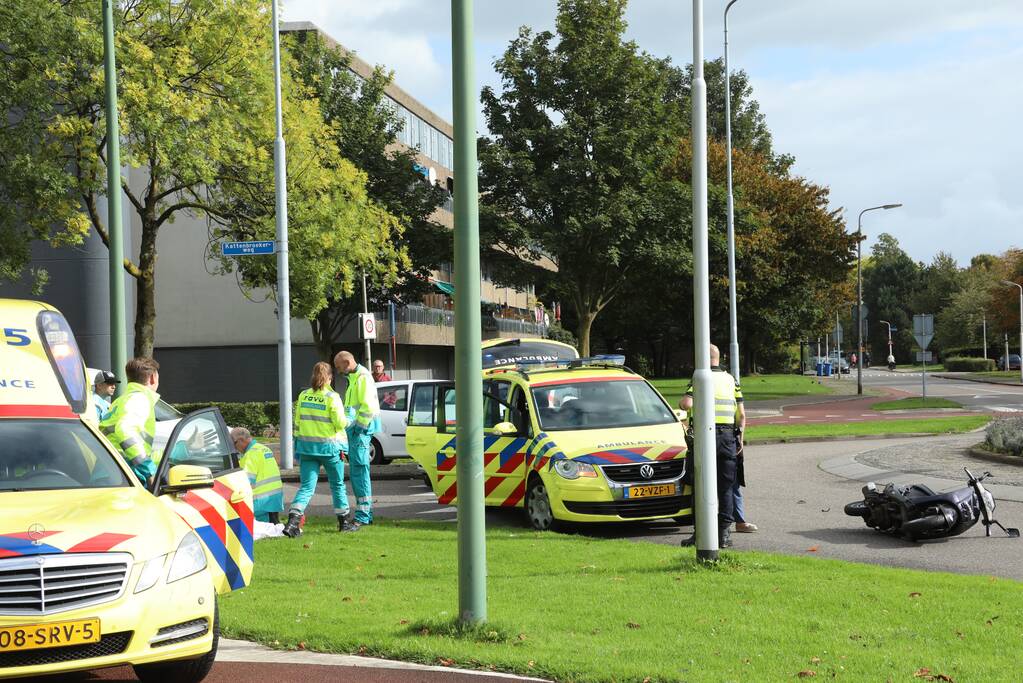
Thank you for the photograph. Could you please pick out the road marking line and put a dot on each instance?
(438, 511)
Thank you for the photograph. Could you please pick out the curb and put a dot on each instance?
(1001, 458)
(981, 380)
(846, 437)
(376, 473)
(232, 650)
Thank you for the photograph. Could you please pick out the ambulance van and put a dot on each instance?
(96, 569)
(566, 439)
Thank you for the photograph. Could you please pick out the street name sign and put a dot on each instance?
(247, 248)
(923, 329)
(924, 357)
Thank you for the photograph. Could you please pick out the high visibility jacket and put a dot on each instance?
(264, 477)
(727, 397)
(102, 407)
(131, 426)
(320, 423)
(361, 399)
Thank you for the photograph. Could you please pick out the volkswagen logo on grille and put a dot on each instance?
(647, 471)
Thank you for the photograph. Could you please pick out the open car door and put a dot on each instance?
(220, 514)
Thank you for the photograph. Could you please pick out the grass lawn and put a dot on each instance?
(916, 402)
(1007, 374)
(931, 425)
(574, 608)
(917, 367)
(754, 387)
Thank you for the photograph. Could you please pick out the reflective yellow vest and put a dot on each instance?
(131, 427)
(727, 397)
(320, 423)
(264, 477)
(361, 399)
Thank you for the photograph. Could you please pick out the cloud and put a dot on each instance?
(910, 101)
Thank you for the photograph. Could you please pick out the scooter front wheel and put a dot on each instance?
(858, 509)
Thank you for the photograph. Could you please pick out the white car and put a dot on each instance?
(398, 400)
(167, 417)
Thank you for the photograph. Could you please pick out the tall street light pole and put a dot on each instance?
(115, 240)
(472, 556)
(705, 477)
(1016, 284)
(733, 325)
(859, 292)
(283, 289)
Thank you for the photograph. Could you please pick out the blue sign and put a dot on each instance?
(247, 248)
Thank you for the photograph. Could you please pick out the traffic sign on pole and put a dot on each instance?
(367, 326)
(924, 357)
(923, 329)
(247, 248)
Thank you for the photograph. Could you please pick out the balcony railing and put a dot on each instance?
(423, 315)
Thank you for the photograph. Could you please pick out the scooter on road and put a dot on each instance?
(917, 513)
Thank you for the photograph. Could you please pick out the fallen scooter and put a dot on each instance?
(917, 513)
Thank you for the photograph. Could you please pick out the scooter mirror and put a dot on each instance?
(1013, 533)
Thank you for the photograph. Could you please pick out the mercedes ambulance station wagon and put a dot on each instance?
(96, 569)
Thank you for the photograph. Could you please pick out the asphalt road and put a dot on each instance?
(1000, 398)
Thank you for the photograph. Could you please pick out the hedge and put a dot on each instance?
(961, 364)
(1005, 435)
(256, 417)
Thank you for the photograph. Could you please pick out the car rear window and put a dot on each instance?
(38, 455)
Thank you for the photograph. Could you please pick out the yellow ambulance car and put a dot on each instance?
(567, 439)
(97, 570)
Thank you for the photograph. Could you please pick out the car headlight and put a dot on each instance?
(189, 558)
(151, 572)
(571, 469)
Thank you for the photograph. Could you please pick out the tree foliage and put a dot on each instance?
(197, 127)
(364, 128)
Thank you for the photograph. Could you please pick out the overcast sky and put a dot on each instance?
(912, 101)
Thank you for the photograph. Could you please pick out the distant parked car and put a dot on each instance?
(398, 400)
(1014, 361)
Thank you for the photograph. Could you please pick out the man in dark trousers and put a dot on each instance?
(729, 422)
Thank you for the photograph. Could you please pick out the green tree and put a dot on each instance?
(365, 126)
(890, 281)
(572, 168)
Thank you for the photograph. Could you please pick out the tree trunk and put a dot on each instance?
(145, 292)
(586, 318)
(321, 337)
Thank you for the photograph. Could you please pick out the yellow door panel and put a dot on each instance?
(221, 514)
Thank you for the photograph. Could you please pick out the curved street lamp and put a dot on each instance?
(859, 293)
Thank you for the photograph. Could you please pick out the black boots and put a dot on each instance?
(724, 539)
(345, 523)
(293, 528)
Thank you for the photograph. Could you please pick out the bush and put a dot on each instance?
(256, 417)
(963, 364)
(1005, 435)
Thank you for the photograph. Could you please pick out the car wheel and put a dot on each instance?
(186, 670)
(538, 506)
(378, 453)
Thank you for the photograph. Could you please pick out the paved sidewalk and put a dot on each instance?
(938, 463)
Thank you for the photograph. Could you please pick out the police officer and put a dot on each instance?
(103, 392)
(364, 421)
(264, 476)
(729, 421)
(131, 422)
(320, 440)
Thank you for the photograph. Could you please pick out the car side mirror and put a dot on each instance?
(188, 477)
(504, 429)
